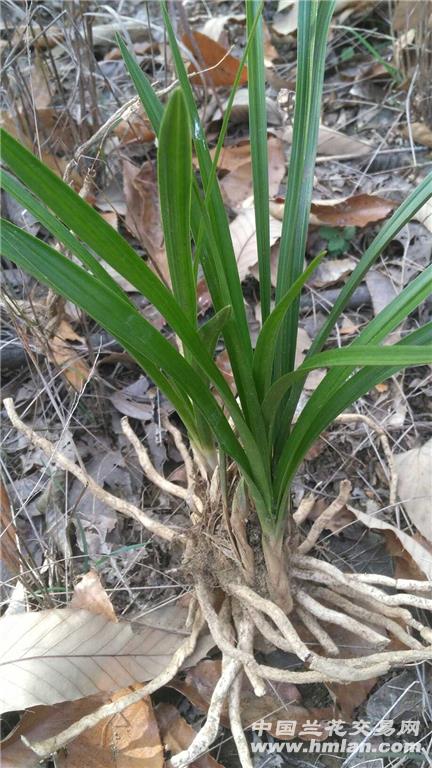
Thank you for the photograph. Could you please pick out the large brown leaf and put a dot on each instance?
(414, 471)
(212, 54)
(62, 655)
(128, 740)
(355, 211)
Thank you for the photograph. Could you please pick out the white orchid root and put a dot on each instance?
(218, 558)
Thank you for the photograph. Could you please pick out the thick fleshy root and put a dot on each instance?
(319, 597)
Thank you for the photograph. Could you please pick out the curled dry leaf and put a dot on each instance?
(143, 213)
(421, 555)
(177, 735)
(332, 143)
(209, 53)
(136, 128)
(134, 400)
(381, 289)
(285, 21)
(355, 211)
(128, 740)
(63, 654)
(89, 595)
(332, 271)
(424, 215)
(74, 368)
(421, 133)
(237, 186)
(243, 233)
(414, 471)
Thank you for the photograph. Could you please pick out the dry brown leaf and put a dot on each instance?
(135, 129)
(214, 27)
(9, 553)
(90, 595)
(63, 654)
(243, 233)
(285, 20)
(355, 211)
(424, 215)
(334, 143)
(129, 740)
(177, 735)
(223, 363)
(74, 368)
(233, 156)
(56, 164)
(237, 185)
(421, 555)
(112, 219)
(408, 14)
(381, 289)
(421, 133)
(332, 271)
(404, 565)
(414, 471)
(212, 54)
(143, 213)
(270, 52)
(204, 300)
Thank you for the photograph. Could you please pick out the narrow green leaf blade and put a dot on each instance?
(313, 24)
(58, 230)
(259, 150)
(319, 412)
(355, 356)
(148, 98)
(267, 339)
(175, 185)
(212, 329)
(124, 322)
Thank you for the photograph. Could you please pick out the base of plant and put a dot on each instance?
(233, 596)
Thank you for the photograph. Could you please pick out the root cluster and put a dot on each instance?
(375, 608)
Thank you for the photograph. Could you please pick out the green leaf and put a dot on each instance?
(83, 220)
(148, 98)
(132, 330)
(313, 24)
(400, 217)
(267, 339)
(53, 225)
(354, 355)
(212, 329)
(259, 151)
(217, 213)
(175, 184)
(319, 412)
